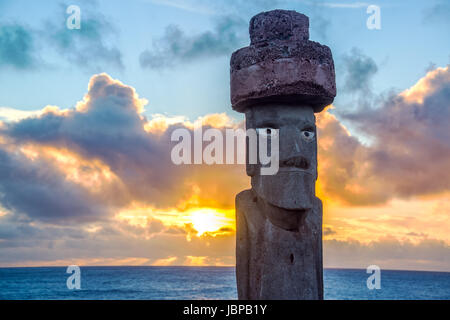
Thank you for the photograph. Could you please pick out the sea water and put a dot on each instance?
(159, 283)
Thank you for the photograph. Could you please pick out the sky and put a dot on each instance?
(86, 117)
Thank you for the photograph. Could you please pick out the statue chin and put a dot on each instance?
(289, 190)
(289, 220)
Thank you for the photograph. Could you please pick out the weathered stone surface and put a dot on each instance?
(281, 64)
(293, 187)
(279, 25)
(308, 50)
(280, 81)
(275, 264)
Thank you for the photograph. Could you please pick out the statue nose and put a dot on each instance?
(296, 161)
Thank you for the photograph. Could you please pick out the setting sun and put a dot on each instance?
(208, 220)
(202, 220)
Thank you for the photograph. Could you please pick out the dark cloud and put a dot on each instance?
(107, 126)
(358, 70)
(175, 46)
(230, 33)
(328, 231)
(407, 157)
(91, 46)
(319, 22)
(16, 230)
(34, 188)
(22, 243)
(408, 151)
(16, 46)
(412, 140)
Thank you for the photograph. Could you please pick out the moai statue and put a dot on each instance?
(279, 82)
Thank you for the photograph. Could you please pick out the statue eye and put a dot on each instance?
(308, 135)
(267, 132)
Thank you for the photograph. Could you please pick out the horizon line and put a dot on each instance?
(206, 266)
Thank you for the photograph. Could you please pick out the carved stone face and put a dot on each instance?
(293, 187)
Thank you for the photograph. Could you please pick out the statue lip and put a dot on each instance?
(294, 169)
(299, 162)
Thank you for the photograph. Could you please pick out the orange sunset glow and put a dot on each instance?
(140, 209)
(245, 152)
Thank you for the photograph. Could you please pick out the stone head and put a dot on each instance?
(280, 81)
(293, 186)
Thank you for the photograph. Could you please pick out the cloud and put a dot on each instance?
(107, 138)
(406, 156)
(412, 139)
(438, 13)
(359, 70)
(35, 189)
(408, 152)
(388, 253)
(328, 232)
(108, 243)
(320, 25)
(11, 114)
(176, 47)
(91, 46)
(230, 32)
(15, 230)
(17, 46)
(122, 244)
(342, 160)
(104, 169)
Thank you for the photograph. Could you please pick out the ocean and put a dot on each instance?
(160, 283)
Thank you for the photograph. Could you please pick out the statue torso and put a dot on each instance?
(269, 257)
